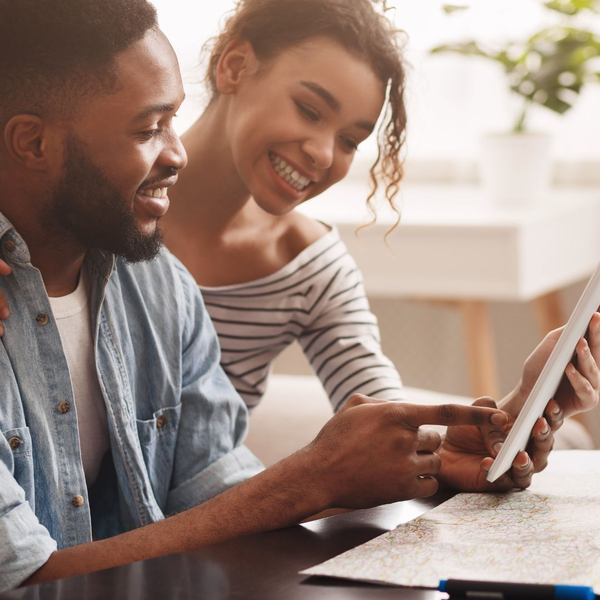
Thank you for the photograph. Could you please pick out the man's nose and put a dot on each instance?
(174, 154)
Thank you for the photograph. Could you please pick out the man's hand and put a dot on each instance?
(467, 452)
(4, 312)
(375, 452)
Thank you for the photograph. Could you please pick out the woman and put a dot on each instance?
(296, 86)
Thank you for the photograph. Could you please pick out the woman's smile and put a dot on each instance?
(288, 173)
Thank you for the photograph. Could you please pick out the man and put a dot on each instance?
(115, 412)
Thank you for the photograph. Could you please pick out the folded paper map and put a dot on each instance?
(549, 533)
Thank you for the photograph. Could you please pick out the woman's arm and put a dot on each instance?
(342, 341)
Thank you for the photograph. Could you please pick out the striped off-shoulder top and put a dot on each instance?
(318, 299)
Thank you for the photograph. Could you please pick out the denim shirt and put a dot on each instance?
(176, 424)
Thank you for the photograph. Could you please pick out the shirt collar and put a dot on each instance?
(5, 225)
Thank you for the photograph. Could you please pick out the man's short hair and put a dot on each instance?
(56, 53)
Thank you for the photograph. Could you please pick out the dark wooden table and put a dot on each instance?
(258, 567)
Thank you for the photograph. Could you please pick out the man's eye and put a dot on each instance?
(307, 112)
(149, 134)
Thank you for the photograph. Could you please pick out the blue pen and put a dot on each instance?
(491, 590)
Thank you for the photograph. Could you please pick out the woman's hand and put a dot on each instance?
(579, 390)
(467, 452)
(466, 455)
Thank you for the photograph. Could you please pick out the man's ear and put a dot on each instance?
(28, 142)
(237, 62)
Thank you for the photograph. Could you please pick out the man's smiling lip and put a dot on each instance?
(154, 207)
(158, 185)
(150, 207)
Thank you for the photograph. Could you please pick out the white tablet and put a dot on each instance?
(549, 379)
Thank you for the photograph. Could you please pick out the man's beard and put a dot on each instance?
(87, 208)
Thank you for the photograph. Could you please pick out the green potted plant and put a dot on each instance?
(549, 69)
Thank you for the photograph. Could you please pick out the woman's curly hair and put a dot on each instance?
(362, 28)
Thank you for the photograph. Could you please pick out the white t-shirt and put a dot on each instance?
(73, 319)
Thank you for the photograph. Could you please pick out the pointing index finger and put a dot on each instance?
(416, 415)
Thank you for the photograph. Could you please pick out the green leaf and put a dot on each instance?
(557, 105)
(573, 7)
(553, 102)
(508, 63)
(450, 9)
(464, 48)
(552, 66)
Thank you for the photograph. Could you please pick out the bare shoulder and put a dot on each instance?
(301, 231)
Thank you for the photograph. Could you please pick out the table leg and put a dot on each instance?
(549, 312)
(479, 343)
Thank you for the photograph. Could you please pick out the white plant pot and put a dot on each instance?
(516, 168)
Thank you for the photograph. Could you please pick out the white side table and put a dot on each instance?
(454, 246)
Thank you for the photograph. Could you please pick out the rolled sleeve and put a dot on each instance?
(25, 544)
(210, 456)
(229, 470)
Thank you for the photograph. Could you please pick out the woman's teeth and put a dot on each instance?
(288, 173)
(157, 193)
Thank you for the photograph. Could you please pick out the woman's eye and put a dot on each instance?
(307, 112)
(350, 144)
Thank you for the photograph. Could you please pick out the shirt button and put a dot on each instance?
(77, 501)
(161, 421)
(64, 407)
(9, 246)
(14, 442)
(42, 319)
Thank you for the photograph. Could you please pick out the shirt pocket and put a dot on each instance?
(158, 440)
(19, 442)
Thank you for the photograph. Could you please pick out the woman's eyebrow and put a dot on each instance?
(333, 102)
(320, 91)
